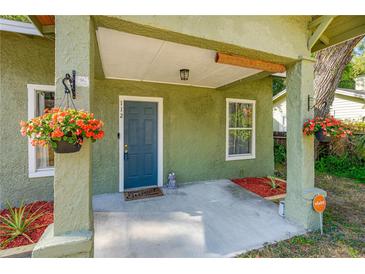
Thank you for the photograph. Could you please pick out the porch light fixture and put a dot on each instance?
(184, 74)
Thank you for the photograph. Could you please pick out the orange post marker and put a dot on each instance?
(319, 203)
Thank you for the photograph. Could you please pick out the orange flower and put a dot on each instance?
(57, 133)
(23, 131)
(80, 123)
(60, 118)
(100, 135)
(89, 134)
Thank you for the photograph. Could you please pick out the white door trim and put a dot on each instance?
(159, 101)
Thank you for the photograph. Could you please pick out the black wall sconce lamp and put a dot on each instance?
(312, 103)
(184, 74)
(70, 88)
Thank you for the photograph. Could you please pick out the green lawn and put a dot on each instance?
(344, 225)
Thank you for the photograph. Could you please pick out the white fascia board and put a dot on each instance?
(19, 27)
(350, 94)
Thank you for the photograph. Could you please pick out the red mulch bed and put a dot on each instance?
(44, 221)
(261, 186)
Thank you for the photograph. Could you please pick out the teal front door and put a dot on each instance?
(140, 144)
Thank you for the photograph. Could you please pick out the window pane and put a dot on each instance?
(240, 115)
(239, 141)
(45, 99)
(44, 155)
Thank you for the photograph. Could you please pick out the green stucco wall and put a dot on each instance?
(23, 60)
(194, 130)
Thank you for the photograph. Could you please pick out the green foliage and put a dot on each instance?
(347, 79)
(356, 126)
(278, 85)
(342, 224)
(279, 154)
(342, 166)
(21, 18)
(355, 68)
(18, 223)
(272, 182)
(360, 147)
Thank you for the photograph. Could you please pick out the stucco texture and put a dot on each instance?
(23, 60)
(194, 125)
(278, 39)
(72, 181)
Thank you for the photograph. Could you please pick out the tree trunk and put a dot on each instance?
(328, 71)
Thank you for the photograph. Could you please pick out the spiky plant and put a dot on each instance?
(272, 182)
(18, 223)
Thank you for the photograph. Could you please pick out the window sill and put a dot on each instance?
(240, 157)
(42, 173)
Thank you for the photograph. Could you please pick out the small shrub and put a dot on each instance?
(359, 144)
(279, 153)
(342, 166)
(356, 126)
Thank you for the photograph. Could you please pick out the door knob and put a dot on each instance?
(125, 152)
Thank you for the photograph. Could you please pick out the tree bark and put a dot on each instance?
(328, 70)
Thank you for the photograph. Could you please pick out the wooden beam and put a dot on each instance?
(326, 21)
(314, 23)
(35, 22)
(49, 29)
(241, 61)
(324, 39)
(340, 38)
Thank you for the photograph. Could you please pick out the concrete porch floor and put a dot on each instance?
(203, 219)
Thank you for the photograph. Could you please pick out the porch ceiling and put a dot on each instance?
(134, 57)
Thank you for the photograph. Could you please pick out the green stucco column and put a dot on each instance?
(300, 148)
(72, 232)
(72, 182)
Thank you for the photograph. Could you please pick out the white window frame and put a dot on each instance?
(32, 97)
(19, 27)
(246, 156)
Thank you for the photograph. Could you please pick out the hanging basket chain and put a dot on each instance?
(67, 97)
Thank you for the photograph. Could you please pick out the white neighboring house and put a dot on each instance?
(348, 105)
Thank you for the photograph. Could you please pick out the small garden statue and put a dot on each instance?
(171, 180)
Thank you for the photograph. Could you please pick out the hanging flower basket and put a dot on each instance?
(63, 129)
(326, 128)
(321, 137)
(65, 147)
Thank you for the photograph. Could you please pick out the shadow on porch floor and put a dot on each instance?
(203, 219)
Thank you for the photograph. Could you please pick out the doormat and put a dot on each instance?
(142, 193)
